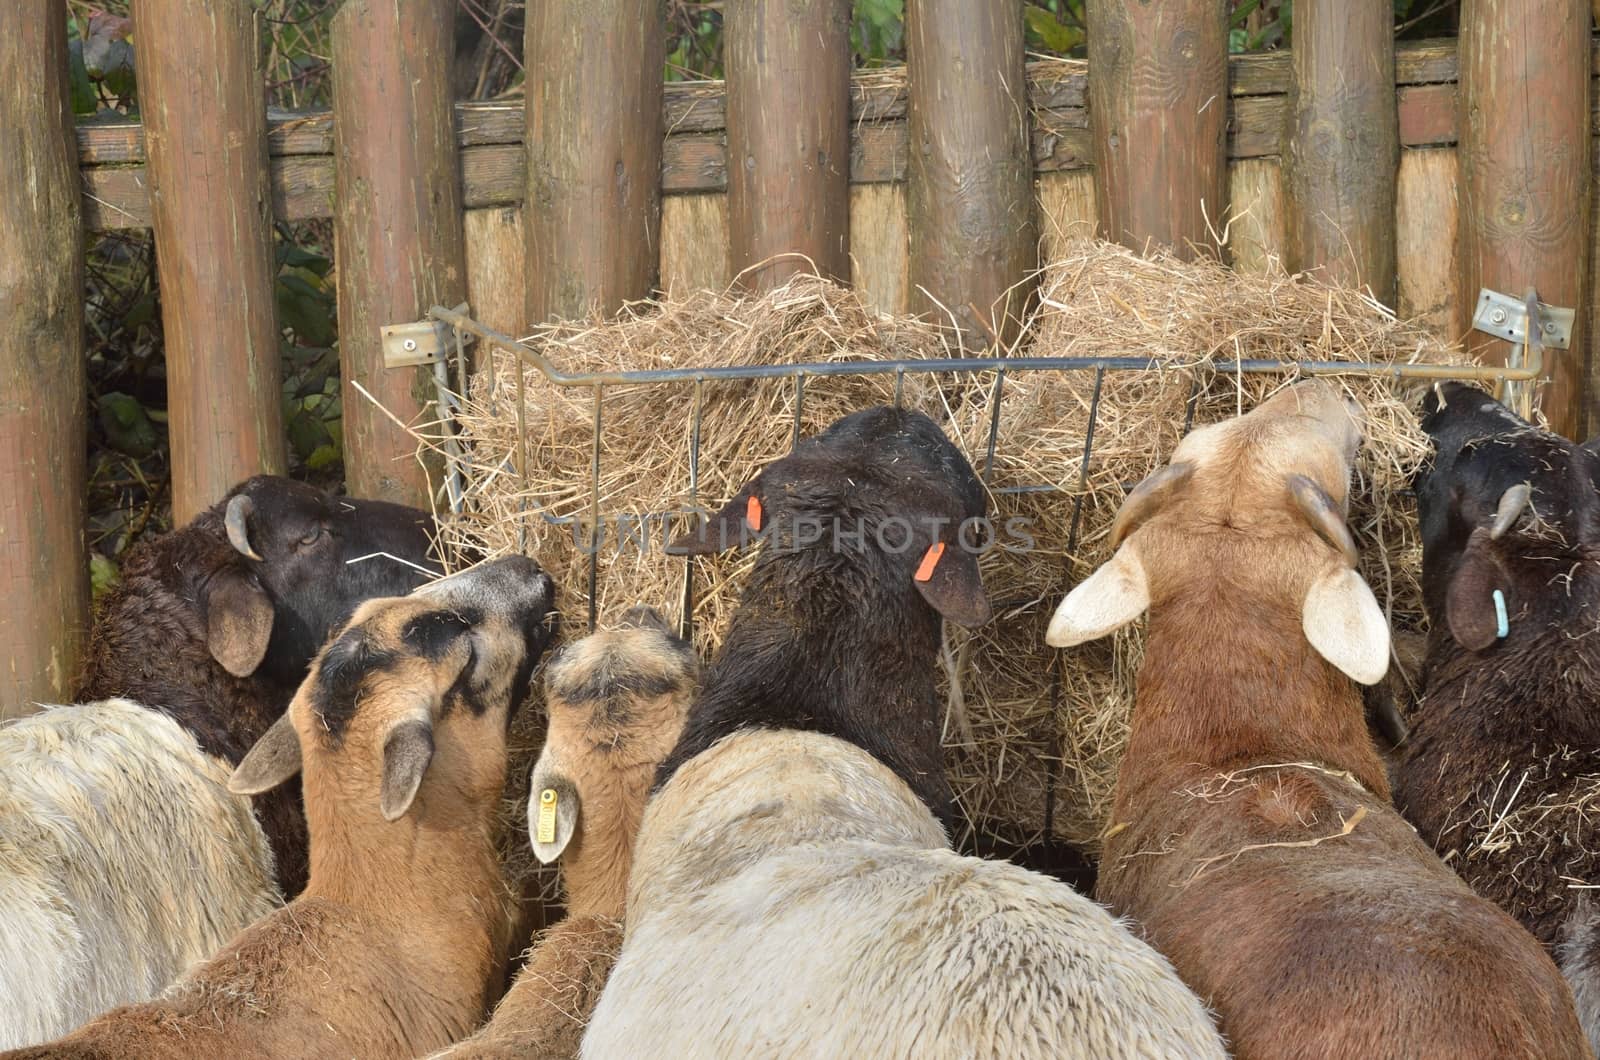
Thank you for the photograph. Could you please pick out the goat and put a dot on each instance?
(391, 950)
(1251, 832)
(1501, 774)
(616, 702)
(793, 892)
(126, 860)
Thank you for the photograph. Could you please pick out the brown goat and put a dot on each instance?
(617, 701)
(393, 947)
(1252, 835)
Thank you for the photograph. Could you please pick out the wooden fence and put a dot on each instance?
(1425, 171)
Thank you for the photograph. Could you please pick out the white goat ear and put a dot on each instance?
(553, 809)
(1344, 623)
(1102, 603)
(274, 759)
(407, 750)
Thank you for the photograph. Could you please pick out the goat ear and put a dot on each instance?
(725, 529)
(1469, 606)
(407, 750)
(1102, 603)
(553, 809)
(238, 622)
(948, 579)
(1148, 498)
(1343, 621)
(274, 759)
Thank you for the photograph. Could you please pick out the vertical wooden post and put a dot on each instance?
(788, 165)
(1342, 144)
(1158, 104)
(44, 573)
(969, 193)
(1524, 160)
(202, 100)
(593, 208)
(398, 230)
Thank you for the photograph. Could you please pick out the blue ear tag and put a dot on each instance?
(1502, 625)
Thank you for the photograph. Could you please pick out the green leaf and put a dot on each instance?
(127, 426)
(84, 99)
(323, 457)
(1049, 33)
(103, 574)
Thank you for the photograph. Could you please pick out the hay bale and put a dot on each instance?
(1034, 735)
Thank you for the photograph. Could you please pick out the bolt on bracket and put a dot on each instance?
(1506, 317)
(423, 342)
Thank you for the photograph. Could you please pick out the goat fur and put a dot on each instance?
(103, 806)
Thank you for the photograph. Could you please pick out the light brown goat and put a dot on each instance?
(394, 945)
(1252, 834)
(617, 701)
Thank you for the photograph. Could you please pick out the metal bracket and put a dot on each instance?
(425, 342)
(1506, 317)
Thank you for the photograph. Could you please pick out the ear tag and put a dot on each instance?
(930, 560)
(546, 827)
(752, 513)
(1502, 623)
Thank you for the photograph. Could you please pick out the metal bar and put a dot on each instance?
(1534, 369)
(522, 454)
(799, 405)
(900, 388)
(596, 531)
(686, 623)
(1190, 405)
(994, 422)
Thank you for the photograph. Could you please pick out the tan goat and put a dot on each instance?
(393, 946)
(1252, 834)
(617, 700)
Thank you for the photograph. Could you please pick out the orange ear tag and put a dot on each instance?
(752, 513)
(930, 560)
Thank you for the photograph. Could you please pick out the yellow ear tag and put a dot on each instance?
(546, 830)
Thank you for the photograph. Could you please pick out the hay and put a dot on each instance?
(1034, 735)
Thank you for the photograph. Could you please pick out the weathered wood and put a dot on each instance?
(1066, 211)
(1256, 219)
(789, 191)
(694, 155)
(398, 238)
(969, 195)
(880, 247)
(1342, 144)
(1158, 100)
(1525, 169)
(495, 246)
(1425, 240)
(202, 96)
(694, 243)
(594, 154)
(44, 571)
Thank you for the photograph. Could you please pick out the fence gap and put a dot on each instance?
(788, 166)
(1158, 109)
(1523, 115)
(1342, 144)
(592, 211)
(398, 235)
(202, 99)
(44, 571)
(969, 195)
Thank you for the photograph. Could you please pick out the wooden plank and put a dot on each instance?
(494, 241)
(1525, 170)
(1342, 145)
(789, 193)
(880, 246)
(1158, 103)
(44, 569)
(594, 155)
(969, 194)
(1256, 214)
(694, 243)
(200, 78)
(398, 239)
(1425, 240)
(1066, 211)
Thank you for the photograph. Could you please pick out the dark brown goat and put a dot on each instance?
(1252, 835)
(218, 639)
(1502, 770)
